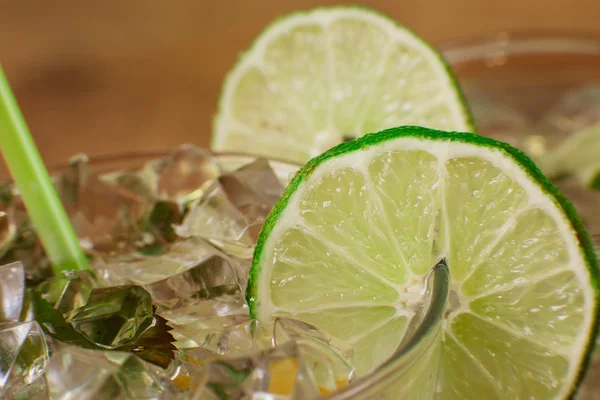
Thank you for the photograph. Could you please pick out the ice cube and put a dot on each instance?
(184, 173)
(8, 226)
(69, 291)
(577, 109)
(253, 189)
(71, 180)
(328, 358)
(113, 316)
(12, 291)
(120, 211)
(278, 373)
(8, 230)
(24, 355)
(36, 390)
(185, 272)
(153, 218)
(243, 339)
(233, 208)
(206, 331)
(136, 184)
(18, 241)
(196, 287)
(161, 219)
(23, 244)
(215, 218)
(80, 374)
(188, 369)
(260, 177)
(104, 212)
(282, 371)
(189, 280)
(104, 218)
(223, 379)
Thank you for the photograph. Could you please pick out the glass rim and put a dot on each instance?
(438, 285)
(478, 47)
(111, 158)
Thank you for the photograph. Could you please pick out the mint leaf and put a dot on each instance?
(154, 344)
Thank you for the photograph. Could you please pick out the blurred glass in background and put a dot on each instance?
(136, 75)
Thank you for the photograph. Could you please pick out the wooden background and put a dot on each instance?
(123, 75)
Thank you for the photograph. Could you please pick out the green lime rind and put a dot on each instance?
(463, 104)
(373, 139)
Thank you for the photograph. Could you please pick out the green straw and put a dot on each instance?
(37, 191)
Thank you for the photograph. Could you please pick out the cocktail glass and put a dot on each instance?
(531, 90)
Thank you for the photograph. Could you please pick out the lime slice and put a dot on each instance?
(348, 246)
(577, 155)
(313, 79)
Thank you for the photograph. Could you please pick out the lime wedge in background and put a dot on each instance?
(314, 79)
(579, 155)
(590, 177)
(349, 244)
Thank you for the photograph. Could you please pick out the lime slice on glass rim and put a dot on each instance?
(349, 244)
(578, 155)
(314, 79)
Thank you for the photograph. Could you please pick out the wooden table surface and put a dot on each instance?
(126, 75)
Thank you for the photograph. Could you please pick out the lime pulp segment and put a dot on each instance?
(313, 79)
(350, 242)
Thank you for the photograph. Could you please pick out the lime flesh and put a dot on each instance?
(314, 79)
(348, 246)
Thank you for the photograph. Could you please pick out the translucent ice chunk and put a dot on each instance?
(12, 291)
(239, 340)
(223, 379)
(119, 211)
(19, 242)
(80, 374)
(233, 208)
(188, 369)
(196, 287)
(71, 180)
(103, 215)
(36, 390)
(206, 331)
(161, 219)
(279, 373)
(184, 273)
(68, 292)
(24, 355)
(192, 283)
(184, 173)
(8, 225)
(328, 358)
(216, 219)
(260, 177)
(282, 371)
